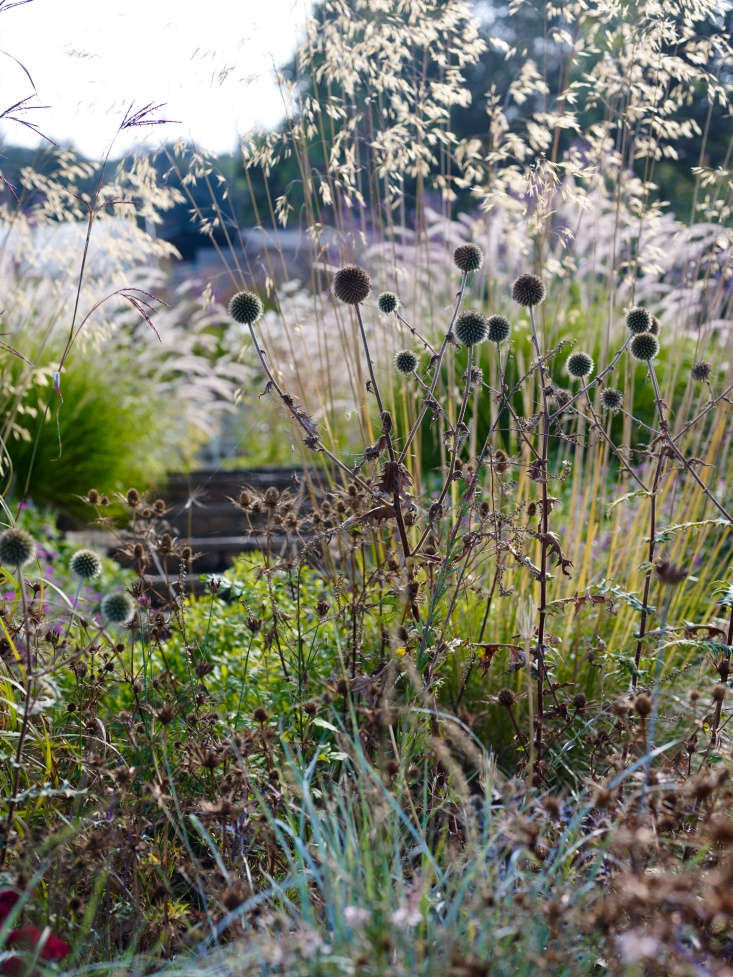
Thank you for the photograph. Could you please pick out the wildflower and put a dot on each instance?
(85, 564)
(644, 346)
(245, 308)
(579, 365)
(405, 361)
(468, 257)
(499, 328)
(41, 944)
(117, 608)
(638, 320)
(352, 285)
(16, 547)
(387, 302)
(471, 328)
(528, 290)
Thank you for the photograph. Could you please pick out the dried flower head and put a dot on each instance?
(245, 308)
(701, 371)
(642, 705)
(468, 257)
(117, 608)
(16, 547)
(85, 564)
(388, 302)
(506, 698)
(499, 328)
(638, 320)
(669, 574)
(405, 361)
(352, 285)
(644, 346)
(528, 290)
(612, 399)
(579, 365)
(654, 325)
(471, 328)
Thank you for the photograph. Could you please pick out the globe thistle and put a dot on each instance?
(654, 327)
(499, 328)
(85, 564)
(506, 698)
(16, 547)
(388, 302)
(468, 257)
(701, 371)
(638, 320)
(405, 361)
(579, 365)
(471, 328)
(644, 346)
(528, 290)
(117, 608)
(612, 399)
(245, 308)
(352, 285)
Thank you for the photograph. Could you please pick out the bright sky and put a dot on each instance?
(210, 61)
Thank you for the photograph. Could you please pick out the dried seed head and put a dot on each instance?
(271, 497)
(352, 285)
(405, 361)
(528, 290)
(16, 547)
(117, 608)
(388, 302)
(468, 257)
(245, 308)
(654, 325)
(471, 328)
(644, 346)
(579, 365)
(643, 705)
(499, 328)
(669, 574)
(612, 399)
(701, 371)
(719, 693)
(638, 320)
(506, 698)
(260, 715)
(579, 702)
(93, 497)
(133, 497)
(85, 564)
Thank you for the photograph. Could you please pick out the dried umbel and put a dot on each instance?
(405, 361)
(468, 257)
(644, 346)
(117, 608)
(388, 302)
(579, 365)
(638, 320)
(352, 285)
(16, 547)
(528, 290)
(85, 564)
(499, 329)
(245, 308)
(701, 371)
(471, 328)
(612, 399)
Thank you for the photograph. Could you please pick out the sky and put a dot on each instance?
(210, 61)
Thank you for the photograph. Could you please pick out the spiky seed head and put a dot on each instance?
(352, 284)
(701, 371)
(643, 705)
(468, 257)
(506, 698)
(85, 564)
(499, 328)
(644, 346)
(117, 608)
(654, 325)
(388, 302)
(245, 308)
(528, 290)
(471, 328)
(579, 365)
(16, 547)
(405, 361)
(638, 320)
(612, 399)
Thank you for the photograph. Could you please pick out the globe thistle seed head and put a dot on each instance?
(612, 399)
(388, 302)
(528, 290)
(85, 564)
(117, 608)
(352, 285)
(471, 328)
(468, 257)
(654, 325)
(638, 320)
(16, 547)
(579, 365)
(506, 698)
(644, 346)
(499, 328)
(405, 361)
(245, 308)
(701, 371)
